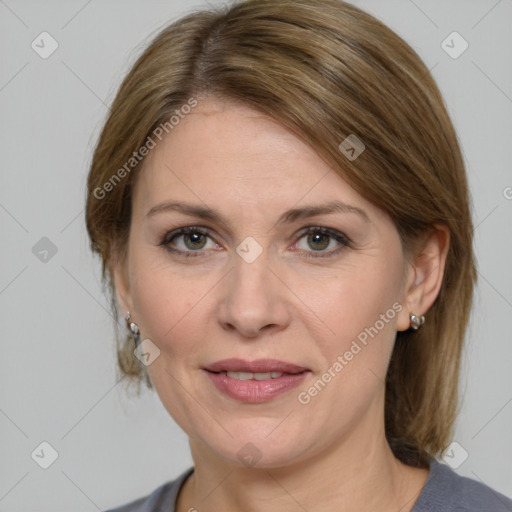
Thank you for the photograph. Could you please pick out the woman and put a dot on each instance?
(280, 204)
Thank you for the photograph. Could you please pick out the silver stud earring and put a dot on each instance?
(132, 326)
(416, 321)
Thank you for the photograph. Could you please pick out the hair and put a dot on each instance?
(324, 69)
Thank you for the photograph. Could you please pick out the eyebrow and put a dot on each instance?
(287, 217)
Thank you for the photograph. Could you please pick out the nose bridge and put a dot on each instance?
(251, 286)
(251, 272)
(253, 298)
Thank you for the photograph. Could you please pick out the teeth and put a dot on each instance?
(261, 376)
(256, 376)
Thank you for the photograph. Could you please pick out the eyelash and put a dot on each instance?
(336, 235)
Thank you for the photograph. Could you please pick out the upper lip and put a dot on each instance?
(256, 366)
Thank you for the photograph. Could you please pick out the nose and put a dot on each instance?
(254, 299)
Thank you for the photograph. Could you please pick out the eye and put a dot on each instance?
(320, 239)
(187, 240)
(192, 241)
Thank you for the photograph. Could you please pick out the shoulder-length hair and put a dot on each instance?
(325, 70)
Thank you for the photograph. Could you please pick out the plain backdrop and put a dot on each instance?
(57, 380)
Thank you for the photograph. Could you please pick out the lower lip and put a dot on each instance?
(255, 391)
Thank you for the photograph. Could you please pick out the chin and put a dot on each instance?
(258, 446)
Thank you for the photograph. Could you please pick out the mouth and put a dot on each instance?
(251, 376)
(256, 367)
(255, 381)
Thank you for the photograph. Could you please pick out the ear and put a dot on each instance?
(425, 275)
(119, 272)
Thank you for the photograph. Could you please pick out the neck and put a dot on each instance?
(359, 473)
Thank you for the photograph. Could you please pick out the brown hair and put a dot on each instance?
(324, 69)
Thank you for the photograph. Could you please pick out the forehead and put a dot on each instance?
(223, 153)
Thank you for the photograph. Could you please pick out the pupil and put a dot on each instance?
(195, 239)
(314, 238)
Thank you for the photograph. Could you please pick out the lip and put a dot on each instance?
(256, 366)
(255, 391)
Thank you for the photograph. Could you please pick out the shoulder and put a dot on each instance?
(163, 498)
(446, 491)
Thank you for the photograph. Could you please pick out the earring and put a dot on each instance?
(132, 326)
(416, 321)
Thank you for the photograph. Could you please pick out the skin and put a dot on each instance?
(328, 454)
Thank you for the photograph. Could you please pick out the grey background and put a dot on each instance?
(57, 381)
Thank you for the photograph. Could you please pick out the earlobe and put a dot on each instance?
(425, 278)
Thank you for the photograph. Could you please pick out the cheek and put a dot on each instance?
(168, 305)
(360, 305)
(342, 303)
(361, 309)
(355, 299)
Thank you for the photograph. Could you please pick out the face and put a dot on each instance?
(275, 323)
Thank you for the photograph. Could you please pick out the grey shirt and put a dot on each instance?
(444, 491)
